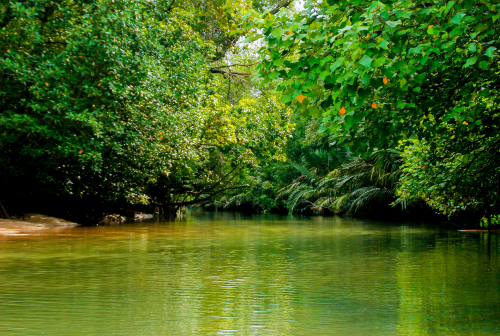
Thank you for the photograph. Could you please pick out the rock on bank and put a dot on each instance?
(32, 224)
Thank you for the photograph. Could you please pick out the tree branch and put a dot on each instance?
(239, 64)
(231, 73)
(198, 200)
(283, 5)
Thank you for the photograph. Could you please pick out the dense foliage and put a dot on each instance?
(351, 185)
(423, 77)
(112, 102)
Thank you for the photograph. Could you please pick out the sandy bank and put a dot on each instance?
(32, 224)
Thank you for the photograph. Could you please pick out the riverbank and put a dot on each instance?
(32, 224)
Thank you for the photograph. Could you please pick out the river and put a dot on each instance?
(227, 274)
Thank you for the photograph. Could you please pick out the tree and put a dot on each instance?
(230, 141)
(455, 182)
(102, 100)
(377, 73)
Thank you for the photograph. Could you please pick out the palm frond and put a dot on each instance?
(348, 186)
(364, 196)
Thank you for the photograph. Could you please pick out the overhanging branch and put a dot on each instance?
(199, 200)
(226, 70)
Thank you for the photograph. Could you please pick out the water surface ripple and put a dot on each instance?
(227, 274)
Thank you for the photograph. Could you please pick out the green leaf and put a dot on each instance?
(366, 61)
(247, 40)
(472, 47)
(423, 59)
(287, 98)
(346, 28)
(323, 75)
(489, 51)
(232, 32)
(278, 32)
(279, 62)
(335, 65)
(357, 117)
(393, 24)
(416, 50)
(383, 44)
(470, 61)
(457, 19)
(314, 112)
(484, 65)
(349, 120)
(326, 60)
(322, 129)
(449, 5)
(417, 89)
(400, 104)
(380, 61)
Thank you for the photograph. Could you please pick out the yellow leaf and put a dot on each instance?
(301, 98)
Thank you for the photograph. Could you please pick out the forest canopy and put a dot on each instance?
(112, 102)
(422, 77)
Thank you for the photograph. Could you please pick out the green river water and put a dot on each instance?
(226, 274)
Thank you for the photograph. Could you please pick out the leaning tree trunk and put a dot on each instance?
(3, 212)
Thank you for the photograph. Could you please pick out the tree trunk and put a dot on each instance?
(3, 212)
(170, 211)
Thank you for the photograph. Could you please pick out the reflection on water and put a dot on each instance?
(265, 275)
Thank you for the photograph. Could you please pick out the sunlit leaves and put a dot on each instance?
(400, 55)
